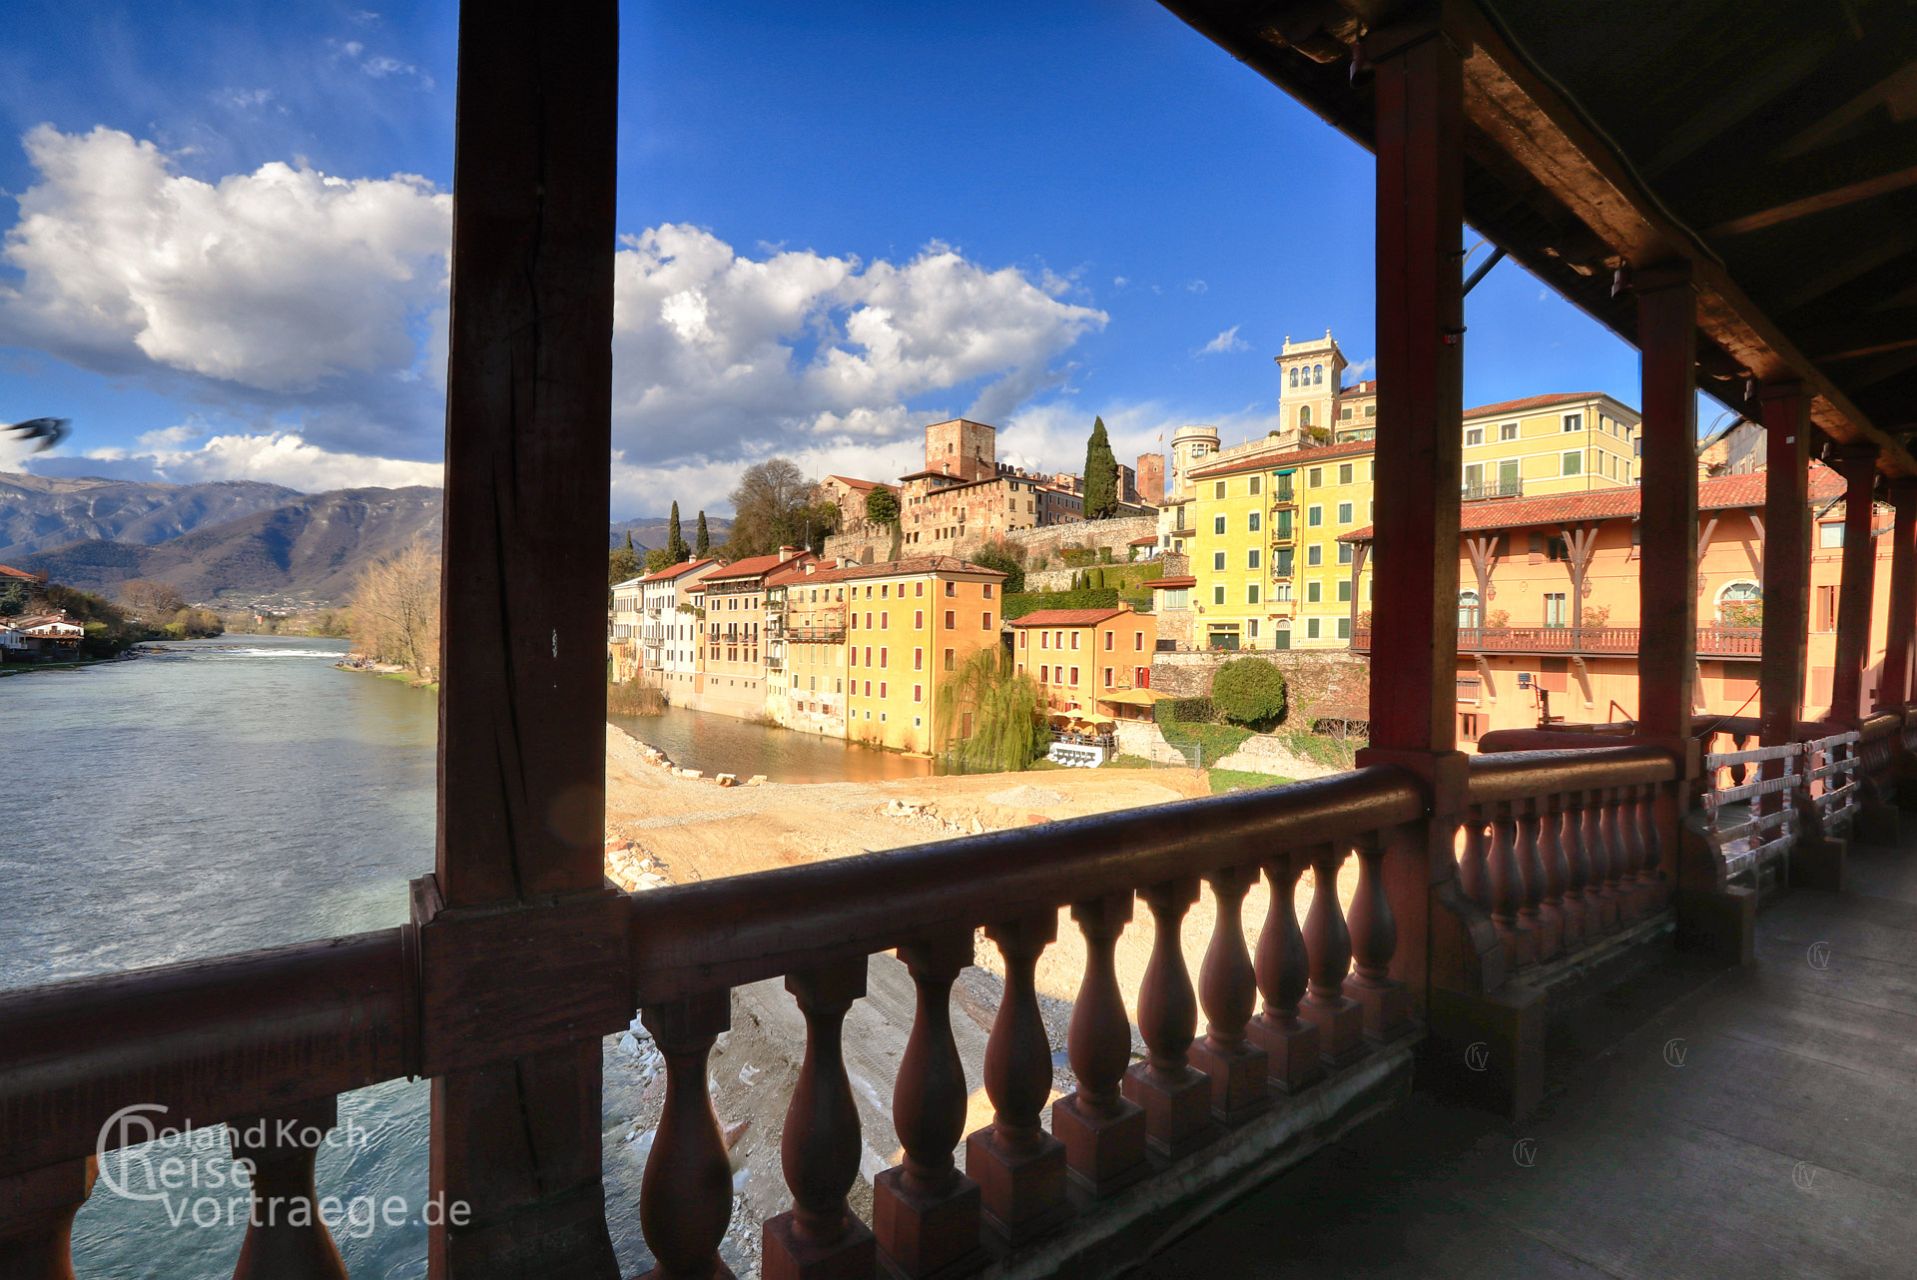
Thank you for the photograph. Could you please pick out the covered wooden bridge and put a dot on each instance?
(1731, 187)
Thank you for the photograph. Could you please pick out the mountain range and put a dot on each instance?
(227, 542)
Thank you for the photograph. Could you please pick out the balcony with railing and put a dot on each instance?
(1510, 487)
(1712, 641)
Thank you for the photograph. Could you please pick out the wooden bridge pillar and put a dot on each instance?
(1786, 563)
(1447, 954)
(1858, 465)
(1667, 583)
(1894, 686)
(519, 884)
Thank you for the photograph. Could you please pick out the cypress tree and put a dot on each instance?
(675, 540)
(1101, 474)
(702, 541)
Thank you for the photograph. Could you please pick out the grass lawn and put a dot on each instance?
(1224, 780)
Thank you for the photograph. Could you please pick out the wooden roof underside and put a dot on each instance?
(1773, 146)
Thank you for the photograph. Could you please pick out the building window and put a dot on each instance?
(1314, 516)
(1282, 592)
(951, 619)
(1344, 513)
(1315, 477)
(1318, 374)
(1344, 553)
(1251, 558)
(1573, 422)
(1555, 613)
(1343, 628)
(1253, 522)
(1251, 593)
(1255, 483)
(1294, 377)
(1217, 561)
(1074, 640)
(1218, 489)
(1314, 592)
(918, 619)
(1218, 524)
(918, 693)
(1468, 610)
(985, 621)
(1468, 723)
(1108, 677)
(1314, 555)
(951, 588)
(918, 659)
(1344, 591)
(1281, 568)
(1304, 415)
(1507, 431)
(1473, 436)
(1110, 638)
(1827, 608)
(1740, 604)
(1311, 629)
(1830, 534)
(1573, 463)
(1138, 641)
(1469, 690)
(1074, 675)
(1218, 595)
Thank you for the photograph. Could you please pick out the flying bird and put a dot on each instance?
(47, 431)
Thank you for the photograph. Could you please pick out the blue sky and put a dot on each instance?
(225, 235)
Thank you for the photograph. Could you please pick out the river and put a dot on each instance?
(228, 794)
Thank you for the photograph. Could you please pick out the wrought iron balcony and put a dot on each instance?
(1491, 489)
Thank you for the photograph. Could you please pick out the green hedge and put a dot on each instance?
(1185, 711)
(1018, 604)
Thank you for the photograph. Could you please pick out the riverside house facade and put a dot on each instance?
(1548, 605)
(1080, 657)
(889, 635)
(1268, 521)
(668, 627)
(730, 606)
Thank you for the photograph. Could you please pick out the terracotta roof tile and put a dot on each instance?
(1066, 617)
(1526, 404)
(1722, 493)
(1171, 584)
(753, 566)
(884, 569)
(673, 571)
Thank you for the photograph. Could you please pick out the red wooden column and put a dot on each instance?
(1447, 956)
(1858, 465)
(1667, 581)
(1894, 687)
(1786, 562)
(519, 892)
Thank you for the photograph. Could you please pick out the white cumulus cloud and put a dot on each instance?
(1224, 343)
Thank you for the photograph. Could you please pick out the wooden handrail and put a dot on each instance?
(1526, 775)
(692, 938)
(208, 1040)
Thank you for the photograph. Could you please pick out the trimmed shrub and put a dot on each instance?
(1185, 711)
(1024, 602)
(1076, 557)
(1249, 692)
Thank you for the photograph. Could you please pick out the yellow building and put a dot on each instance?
(1266, 517)
(1081, 657)
(868, 646)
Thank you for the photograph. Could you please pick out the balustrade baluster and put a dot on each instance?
(685, 1197)
(1507, 888)
(1374, 940)
(820, 1236)
(1473, 877)
(1228, 992)
(925, 1212)
(286, 1237)
(1552, 874)
(1600, 852)
(1650, 871)
(1622, 880)
(1020, 1168)
(1584, 876)
(36, 1219)
(1531, 930)
(1339, 1020)
(1290, 1043)
(1176, 1099)
(1103, 1131)
(1563, 822)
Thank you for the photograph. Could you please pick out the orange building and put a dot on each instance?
(1548, 605)
(864, 648)
(1079, 656)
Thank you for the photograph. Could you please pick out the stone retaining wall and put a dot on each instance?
(1314, 679)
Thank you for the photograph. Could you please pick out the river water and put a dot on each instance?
(229, 794)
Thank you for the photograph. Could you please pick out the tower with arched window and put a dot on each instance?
(1310, 374)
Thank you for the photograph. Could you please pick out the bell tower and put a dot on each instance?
(1310, 374)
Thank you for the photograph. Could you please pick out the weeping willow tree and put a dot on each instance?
(989, 717)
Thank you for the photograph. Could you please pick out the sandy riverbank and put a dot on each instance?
(685, 829)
